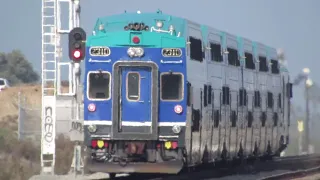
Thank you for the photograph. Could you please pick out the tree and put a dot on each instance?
(16, 68)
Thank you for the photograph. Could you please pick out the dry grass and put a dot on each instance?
(19, 160)
(30, 96)
(10, 99)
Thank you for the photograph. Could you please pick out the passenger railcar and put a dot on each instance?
(163, 92)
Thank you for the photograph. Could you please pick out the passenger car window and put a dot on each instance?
(196, 49)
(225, 95)
(263, 64)
(216, 52)
(99, 85)
(270, 100)
(249, 61)
(275, 67)
(133, 86)
(257, 99)
(171, 86)
(233, 58)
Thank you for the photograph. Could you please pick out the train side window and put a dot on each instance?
(275, 119)
(263, 64)
(98, 85)
(225, 95)
(263, 119)
(257, 99)
(133, 86)
(289, 90)
(250, 119)
(270, 100)
(205, 96)
(188, 94)
(216, 119)
(233, 119)
(233, 58)
(249, 61)
(216, 52)
(196, 49)
(171, 86)
(210, 94)
(275, 67)
(242, 97)
(195, 120)
(279, 101)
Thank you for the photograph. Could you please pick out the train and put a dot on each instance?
(163, 93)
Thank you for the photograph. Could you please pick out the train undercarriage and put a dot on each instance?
(165, 157)
(134, 157)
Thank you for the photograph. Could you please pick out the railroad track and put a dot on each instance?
(296, 166)
(294, 174)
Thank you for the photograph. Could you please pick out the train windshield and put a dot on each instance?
(2, 82)
(99, 85)
(171, 86)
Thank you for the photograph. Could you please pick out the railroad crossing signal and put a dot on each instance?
(77, 49)
(300, 126)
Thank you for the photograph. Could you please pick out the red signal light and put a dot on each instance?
(77, 54)
(136, 40)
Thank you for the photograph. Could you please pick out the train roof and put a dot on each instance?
(119, 21)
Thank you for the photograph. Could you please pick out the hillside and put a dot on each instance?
(29, 94)
(30, 97)
(24, 156)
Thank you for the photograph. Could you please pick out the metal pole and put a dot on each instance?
(307, 119)
(300, 143)
(19, 117)
(77, 74)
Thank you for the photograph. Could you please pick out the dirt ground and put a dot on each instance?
(9, 98)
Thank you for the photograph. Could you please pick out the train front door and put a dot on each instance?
(135, 102)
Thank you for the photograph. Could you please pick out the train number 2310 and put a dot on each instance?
(99, 51)
(171, 52)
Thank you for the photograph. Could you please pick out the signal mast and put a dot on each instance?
(51, 71)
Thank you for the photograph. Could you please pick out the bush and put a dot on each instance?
(16, 68)
(19, 160)
(64, 154)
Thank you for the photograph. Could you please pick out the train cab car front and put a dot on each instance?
(136, 81)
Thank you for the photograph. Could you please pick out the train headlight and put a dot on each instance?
(139, 52)
(176, 129)
(131, 52)
(135, 52)
(92, 128)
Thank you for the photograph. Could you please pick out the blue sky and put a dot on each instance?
(290, 24)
